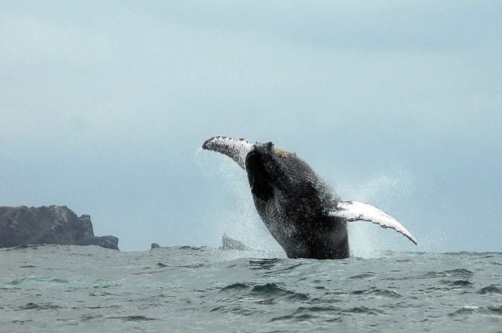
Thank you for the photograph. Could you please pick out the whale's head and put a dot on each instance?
(269, 169)
(265, 169)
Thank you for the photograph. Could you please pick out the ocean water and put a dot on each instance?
(186, 289)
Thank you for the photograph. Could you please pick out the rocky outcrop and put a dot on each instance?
(48, 225)
(228, 243)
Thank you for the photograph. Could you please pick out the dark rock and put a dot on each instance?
(228, 243)
(48, 225)
(108, 242)
(155, 246)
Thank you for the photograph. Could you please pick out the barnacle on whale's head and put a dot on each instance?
(283, 153)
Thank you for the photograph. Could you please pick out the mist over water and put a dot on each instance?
(232, 210)
(391, 192)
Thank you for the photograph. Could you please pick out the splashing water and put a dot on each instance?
(387, 193)
(232, 209)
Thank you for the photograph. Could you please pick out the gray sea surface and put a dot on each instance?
(185, 289)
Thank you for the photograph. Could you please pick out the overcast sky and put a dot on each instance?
(104, 106)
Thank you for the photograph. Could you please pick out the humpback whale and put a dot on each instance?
(300, 210)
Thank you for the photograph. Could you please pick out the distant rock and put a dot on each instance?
(155, 246)
(48, 225)
(228, 243)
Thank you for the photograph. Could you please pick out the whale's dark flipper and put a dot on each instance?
(299, 209)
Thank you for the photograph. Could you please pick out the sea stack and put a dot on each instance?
(48, 225)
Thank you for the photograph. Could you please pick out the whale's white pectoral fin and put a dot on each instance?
(360, 211)
(235, 149)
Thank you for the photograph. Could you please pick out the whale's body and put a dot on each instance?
(299, 209)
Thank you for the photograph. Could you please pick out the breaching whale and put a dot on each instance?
(299, 209)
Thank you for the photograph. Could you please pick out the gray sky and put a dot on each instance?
(104, 105)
